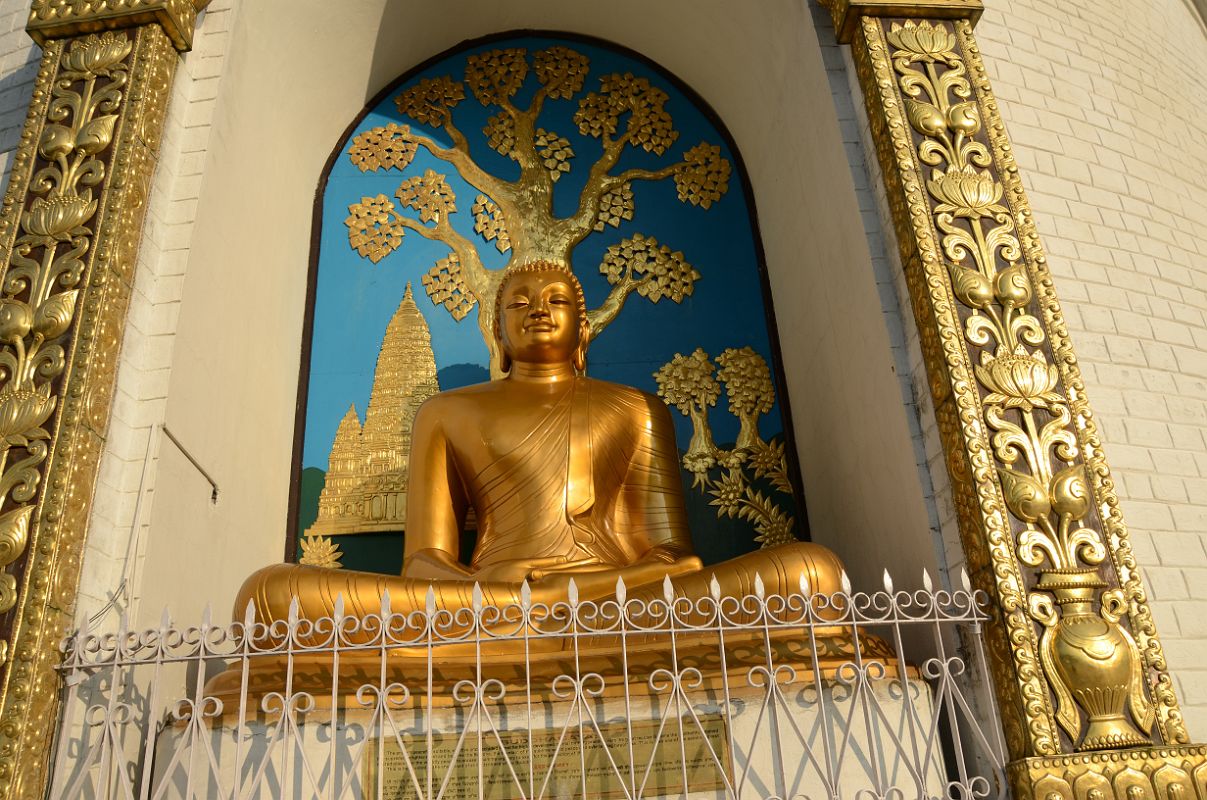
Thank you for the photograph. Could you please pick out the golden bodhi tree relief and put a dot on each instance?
(528, 148)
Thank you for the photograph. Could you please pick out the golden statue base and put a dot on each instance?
(1148, 773)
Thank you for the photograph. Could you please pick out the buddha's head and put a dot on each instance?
(541, 316)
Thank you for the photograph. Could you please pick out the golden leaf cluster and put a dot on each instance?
(649, 126)
(385, 147)
(428, 194)
(555, 152)
(489, 222)
(615, 206)
(431, 101)
(445, 285)
(704, 176)
(733, 496)
(372, 231)
(685, 381)
(500, 134)
(747, 381)
(496, 75)
(561, 71)
(661, 271)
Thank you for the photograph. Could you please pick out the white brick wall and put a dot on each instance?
(18, 68)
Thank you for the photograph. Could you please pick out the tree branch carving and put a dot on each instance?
(517, 216)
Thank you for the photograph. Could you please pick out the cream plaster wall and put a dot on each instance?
(136, 449)
(306, 67)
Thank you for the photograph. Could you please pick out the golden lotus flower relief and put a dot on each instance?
(923, 41)
(22, 410)
(97, 54)
(1019, 379)
(320, 551)
(966, 192)
(59, 217)
(1092, 666)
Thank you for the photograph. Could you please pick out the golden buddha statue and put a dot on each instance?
(570, 478)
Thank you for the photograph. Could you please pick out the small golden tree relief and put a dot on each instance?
(744, 481)
(517, 216)
(1092, 663)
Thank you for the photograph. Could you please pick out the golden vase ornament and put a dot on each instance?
(1092, 661)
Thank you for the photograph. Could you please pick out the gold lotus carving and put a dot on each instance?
(1092, 664)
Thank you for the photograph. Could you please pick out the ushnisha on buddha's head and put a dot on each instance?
(541, 316)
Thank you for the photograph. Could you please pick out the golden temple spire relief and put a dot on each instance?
(365, 488)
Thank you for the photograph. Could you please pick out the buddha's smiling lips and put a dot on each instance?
(540, 327)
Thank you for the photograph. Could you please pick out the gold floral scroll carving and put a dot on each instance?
(1077, 663)
(70, 228)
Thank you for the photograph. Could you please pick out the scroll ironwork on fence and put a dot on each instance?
(857, 694)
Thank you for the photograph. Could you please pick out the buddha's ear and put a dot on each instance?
(504, 361)
(579, 359)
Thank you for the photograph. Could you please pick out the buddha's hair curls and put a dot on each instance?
(584, 325)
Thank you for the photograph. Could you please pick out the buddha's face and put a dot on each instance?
(540, 321)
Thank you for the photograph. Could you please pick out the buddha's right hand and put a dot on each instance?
(519, 570)
(434, 565)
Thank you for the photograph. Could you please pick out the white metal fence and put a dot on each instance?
(801, 695)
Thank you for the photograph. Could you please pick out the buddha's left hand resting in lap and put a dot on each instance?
(570, 477)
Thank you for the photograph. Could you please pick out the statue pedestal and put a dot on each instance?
(587, 734)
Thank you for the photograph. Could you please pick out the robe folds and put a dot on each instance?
(595, 483)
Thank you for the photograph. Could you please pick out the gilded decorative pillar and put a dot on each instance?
(1087, 703)
(70, 229)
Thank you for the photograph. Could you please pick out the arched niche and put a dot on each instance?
(298, 70)
(500, 152)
